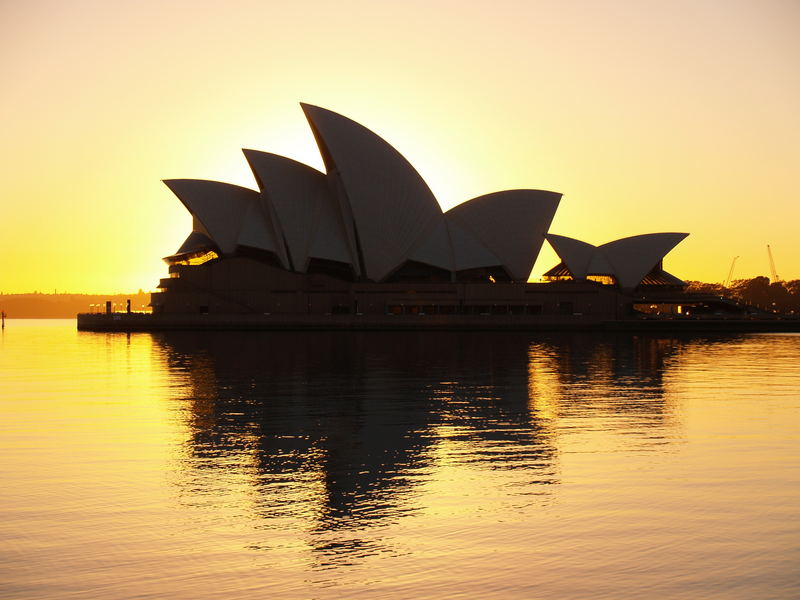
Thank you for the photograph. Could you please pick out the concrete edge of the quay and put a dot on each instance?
(133, 322)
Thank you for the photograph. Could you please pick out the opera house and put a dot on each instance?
(366, 242)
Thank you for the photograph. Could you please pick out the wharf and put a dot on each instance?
(129, 322)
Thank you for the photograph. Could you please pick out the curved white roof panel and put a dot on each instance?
(434, 247)
(634, 257)
(258, 231)
(468, 251)
(374, 212)
(198, 227)
(599, 265)
(223, 209)
(329, 239)
(575, 254)
(449, 246)
(512, 223)
(391, 204)
(303, 206)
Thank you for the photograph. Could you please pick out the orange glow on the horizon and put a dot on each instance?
(671, 117)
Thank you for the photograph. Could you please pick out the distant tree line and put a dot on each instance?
(778, 297)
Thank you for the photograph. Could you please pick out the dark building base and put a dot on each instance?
(286, 322)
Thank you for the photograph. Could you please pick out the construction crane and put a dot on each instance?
(727, 281)
(775, 277)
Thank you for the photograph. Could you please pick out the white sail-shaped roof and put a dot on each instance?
(449, 246)
(599, 265)
(634, 257)
(222, 209)
(511, 223)
(629, 259)
(373, 211)
(434, 247)
(391, 204)
(306, 213)
(258, 231)
(468, 251)
(329, 240)
(575, 254)
(198, 227)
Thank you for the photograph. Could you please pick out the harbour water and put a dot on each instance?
(397, 465)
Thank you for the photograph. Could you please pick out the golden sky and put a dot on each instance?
(647, 115)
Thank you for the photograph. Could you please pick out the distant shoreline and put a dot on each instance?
(66, 306)
(10, 318)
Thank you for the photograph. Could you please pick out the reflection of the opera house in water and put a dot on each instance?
(342, 428)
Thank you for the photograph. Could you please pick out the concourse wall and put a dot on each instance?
(242, 286)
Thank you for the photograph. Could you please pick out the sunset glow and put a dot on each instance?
(647, 116)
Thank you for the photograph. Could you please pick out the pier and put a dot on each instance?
(128, 322)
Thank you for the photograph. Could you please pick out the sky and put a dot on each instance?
(646, 115)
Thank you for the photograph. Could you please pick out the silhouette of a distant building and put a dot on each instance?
(368, 237)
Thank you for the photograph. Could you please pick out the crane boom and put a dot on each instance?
(730, 272)
(775, 277)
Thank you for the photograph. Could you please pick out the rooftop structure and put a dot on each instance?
(372, 218)
(367, 237)
(628, 262)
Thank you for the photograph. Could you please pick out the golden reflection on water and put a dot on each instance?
(214, 465)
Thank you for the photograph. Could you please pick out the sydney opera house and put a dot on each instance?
(367, 242)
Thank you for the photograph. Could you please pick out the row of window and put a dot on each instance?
(565, 308)
(480, 309)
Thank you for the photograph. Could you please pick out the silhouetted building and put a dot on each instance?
(368, 237)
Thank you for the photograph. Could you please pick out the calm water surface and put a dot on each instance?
(331, 465)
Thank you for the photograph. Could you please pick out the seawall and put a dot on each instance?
(125, 322)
